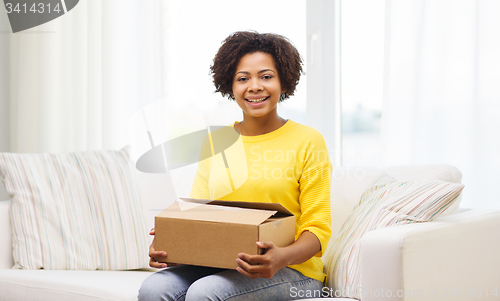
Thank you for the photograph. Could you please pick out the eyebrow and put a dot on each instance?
(261, 71)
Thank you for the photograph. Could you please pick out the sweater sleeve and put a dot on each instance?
(314, 196)
(199, 189)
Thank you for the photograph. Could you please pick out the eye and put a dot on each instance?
(241, 79)
(267, 76)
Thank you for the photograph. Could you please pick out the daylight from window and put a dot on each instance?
(362, 58)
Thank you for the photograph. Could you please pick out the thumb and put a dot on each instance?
(265, 244)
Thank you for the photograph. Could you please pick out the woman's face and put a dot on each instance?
(256, 85)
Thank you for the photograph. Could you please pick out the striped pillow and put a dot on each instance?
(75, 211)
(385, 203)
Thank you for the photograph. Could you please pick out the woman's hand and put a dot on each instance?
(265, 265)
(153, 254)
(275, 258)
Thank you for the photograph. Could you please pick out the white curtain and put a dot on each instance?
(74, 82)
(442, 90)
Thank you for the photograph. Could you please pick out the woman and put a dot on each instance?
(287, 163)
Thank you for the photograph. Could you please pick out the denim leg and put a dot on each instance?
(172, 283)
(231, 285)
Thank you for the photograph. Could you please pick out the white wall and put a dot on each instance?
(195, 30)
(4, 83)
(4, 92)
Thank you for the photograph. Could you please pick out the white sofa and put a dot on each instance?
(451, 255)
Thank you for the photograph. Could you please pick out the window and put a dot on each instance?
(362, 67)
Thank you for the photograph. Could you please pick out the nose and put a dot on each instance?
(255, 86)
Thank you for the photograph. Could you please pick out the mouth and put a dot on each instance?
(257, 100)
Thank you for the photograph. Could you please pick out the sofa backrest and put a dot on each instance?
(349, 183)
(157, 192)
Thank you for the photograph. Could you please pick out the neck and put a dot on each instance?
(254, 126)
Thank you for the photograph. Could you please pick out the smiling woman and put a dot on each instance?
(256, 86)
(285, 61)
(258, 71)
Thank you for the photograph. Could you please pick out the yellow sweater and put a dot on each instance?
(289, 166)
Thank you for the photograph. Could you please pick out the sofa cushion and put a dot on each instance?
(46, 285)
(75, 211)
(349, 183)
(385, 203)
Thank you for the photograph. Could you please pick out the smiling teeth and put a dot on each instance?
(256, 100)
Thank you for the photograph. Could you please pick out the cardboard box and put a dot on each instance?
(212, 233)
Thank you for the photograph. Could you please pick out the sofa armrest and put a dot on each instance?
(6, 261)
(454, 257)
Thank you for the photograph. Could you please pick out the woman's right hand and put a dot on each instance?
(153, 254)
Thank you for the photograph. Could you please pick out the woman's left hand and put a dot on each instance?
(265, 265)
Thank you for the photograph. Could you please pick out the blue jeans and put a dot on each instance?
(196, 283)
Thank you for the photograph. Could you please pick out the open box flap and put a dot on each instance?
(250, 205)
(217, 213)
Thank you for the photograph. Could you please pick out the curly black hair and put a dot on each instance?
(286, 57)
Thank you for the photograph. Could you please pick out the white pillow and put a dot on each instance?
(385, 203)
(75, 211)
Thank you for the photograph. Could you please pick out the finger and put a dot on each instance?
(251, 269)
(154, 253)
(253, 259)
(245, 273)
(155, 264)
(152, 231)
